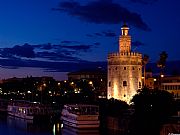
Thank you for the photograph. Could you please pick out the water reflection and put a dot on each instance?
(18, 122)
(23, 126)
(57, 128)
(19, 126)
(72, 131)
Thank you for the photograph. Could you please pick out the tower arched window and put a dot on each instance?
(124, 83)
(140, 85)
(124, 68)
(109, 83)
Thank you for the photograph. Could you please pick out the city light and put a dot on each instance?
(90, 82)
(162, 75)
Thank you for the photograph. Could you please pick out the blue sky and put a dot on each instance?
(53, 36)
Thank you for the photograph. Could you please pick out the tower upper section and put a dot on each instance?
(124, 40)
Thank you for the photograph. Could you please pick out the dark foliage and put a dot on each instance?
(152, 109)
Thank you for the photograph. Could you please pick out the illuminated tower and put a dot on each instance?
(124, 69)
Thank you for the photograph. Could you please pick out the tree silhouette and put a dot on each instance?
(152, 109)
(162, 61)
(144, 62)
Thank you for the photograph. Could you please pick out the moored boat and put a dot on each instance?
(28, 110)
(81, 116)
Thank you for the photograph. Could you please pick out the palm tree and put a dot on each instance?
(161, 64)
(162, 61)
(144, 62)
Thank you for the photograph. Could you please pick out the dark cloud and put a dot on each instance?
(107, 33)
(25, 50)
(98, 34)
(48, 56)
(56, 56)
(97, 43)
(61, 52)
(144, 1)
(51, 66)
(47, 46)
(102, 12)
(84, 48)
(69, 42)
(89, 35)
(137, 43)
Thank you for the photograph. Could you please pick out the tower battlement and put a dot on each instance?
(124, 54)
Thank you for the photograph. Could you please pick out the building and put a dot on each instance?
(171, 84)
(87, 74)
(149, 80)
(124, 69)
(97, 78)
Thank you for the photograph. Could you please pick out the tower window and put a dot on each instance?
(124, 68)
(109, 83)
(139, 68)
(139, 84)
(124, 83)
(133, 68)
(116, 68)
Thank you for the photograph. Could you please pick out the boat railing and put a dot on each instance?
(83, 110)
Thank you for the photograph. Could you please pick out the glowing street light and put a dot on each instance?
(44, 84)
(162, 76)
(90, 82)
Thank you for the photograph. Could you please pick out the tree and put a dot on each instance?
(152, 109)
(144, 62)
(162, 61)
(115, 107)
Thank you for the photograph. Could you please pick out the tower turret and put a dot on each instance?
(124, 40)
(125, 30)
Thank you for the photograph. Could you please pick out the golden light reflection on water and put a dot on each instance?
(57, 128)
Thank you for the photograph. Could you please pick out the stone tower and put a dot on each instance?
(124, 70)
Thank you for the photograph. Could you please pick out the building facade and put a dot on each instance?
(171, 84)
(124, 70)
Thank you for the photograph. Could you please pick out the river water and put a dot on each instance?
(15, 126)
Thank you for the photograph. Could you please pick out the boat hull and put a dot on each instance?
(82, 124)
(81, 116)
(29, 111)
(21, 116)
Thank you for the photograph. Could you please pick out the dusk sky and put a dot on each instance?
(46, 37)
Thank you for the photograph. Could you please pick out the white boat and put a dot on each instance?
(28, 110)
(81, 116)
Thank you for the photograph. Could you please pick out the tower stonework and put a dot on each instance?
(124, 70)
